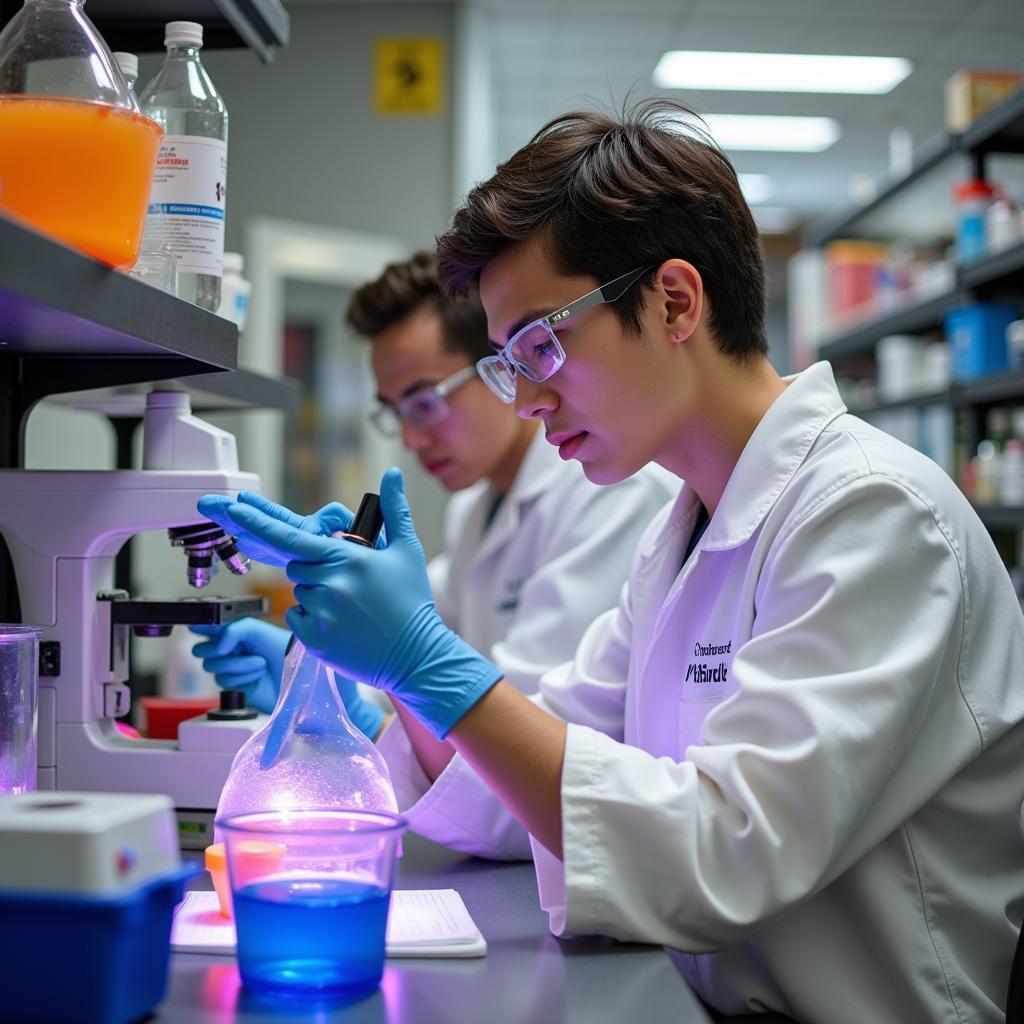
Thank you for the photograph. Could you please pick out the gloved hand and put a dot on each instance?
(247, 655)
(366, 716)
(370, 613)
(331, 518)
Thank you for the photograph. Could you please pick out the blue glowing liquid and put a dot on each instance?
(311, 935)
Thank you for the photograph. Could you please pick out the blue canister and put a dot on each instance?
(977, 337)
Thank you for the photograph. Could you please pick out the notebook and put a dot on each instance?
(421, 923)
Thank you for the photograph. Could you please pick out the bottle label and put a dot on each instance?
(186, 203)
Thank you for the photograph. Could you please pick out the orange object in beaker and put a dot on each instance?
(79, 171)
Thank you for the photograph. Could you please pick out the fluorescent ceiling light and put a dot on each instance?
(778, 132)
(779, 72)
(756, 188)
(773, 220)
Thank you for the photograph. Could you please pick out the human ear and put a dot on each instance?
(682, 297)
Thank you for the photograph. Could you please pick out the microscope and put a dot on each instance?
(63, 530)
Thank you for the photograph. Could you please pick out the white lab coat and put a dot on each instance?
(799, 757)
(522, 591)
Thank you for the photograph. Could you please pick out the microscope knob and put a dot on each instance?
(232, 708)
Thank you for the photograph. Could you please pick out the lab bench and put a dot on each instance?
(527, 976)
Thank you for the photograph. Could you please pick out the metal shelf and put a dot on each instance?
(138, 26)
(925, 316)
(69, 323)
(1001, 517)
(991, 390)
(898, 404)
(926, 157)
(209, 392)
(999, 130)
(995, 271)
(57, 301)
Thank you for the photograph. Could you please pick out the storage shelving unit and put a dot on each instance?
(138, 25)
(998, 276)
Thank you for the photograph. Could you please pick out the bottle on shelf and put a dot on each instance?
(65, 108)
(186, 205)
(985, 466)
(1011, 472)
(234, 290)
(129, 65)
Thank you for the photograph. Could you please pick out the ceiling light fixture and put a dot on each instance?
(779, 72)
(781, 133)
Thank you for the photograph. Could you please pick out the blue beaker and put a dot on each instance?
(314, 922)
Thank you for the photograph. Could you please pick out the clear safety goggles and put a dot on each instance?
(423, 408)
(535, 351)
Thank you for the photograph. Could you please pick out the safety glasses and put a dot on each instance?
(423, 408)
(535, 351)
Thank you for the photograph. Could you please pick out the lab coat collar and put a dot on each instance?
(539, 471)
(777, 447)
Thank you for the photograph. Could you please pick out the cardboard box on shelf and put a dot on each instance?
(969, 93)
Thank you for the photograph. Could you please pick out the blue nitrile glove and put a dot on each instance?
(331, 518)
(366, 716)
(247, 655)
(370, 613)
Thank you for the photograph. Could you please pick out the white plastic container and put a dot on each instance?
(234, 291)
(1011, 473)
(899, 358)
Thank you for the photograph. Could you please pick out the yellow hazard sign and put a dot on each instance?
(408, 75)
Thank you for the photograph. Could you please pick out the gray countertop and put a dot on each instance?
(527, 975)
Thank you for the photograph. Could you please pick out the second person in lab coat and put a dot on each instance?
(533, 551)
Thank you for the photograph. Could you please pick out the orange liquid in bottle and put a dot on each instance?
(78, 171)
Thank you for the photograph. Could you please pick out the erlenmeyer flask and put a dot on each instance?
(309, 755)
(76, 156)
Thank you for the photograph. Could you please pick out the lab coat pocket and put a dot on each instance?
(707, 683)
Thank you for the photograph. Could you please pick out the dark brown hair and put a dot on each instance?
(404, 288)
(608, 195)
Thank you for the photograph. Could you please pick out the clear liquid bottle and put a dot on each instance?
(129, 65)
(186, 204)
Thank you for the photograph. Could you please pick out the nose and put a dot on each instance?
(533, 400)
(414, 438)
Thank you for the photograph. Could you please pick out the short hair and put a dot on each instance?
(608, 195)
(406, 287)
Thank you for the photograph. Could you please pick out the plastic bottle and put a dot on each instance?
(129, 65)
(986, 473)
(234, 290)
(972, 199)
(1011, 473)
(186, 204)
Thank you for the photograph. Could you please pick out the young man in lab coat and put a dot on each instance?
(794, 750)
(533, 550)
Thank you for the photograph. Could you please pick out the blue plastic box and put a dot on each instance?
(977, 337)
(76, 958)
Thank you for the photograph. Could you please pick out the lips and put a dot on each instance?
(568, 444)
(435, 467)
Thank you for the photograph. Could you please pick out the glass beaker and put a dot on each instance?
(314, 921)
(19, 699)
(76, 155)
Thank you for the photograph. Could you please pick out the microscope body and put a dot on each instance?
(63, 530)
